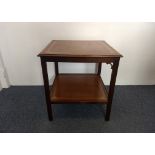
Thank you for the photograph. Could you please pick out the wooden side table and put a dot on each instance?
(79, 88)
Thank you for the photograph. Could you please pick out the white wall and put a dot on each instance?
(21, 42)
(4, 81)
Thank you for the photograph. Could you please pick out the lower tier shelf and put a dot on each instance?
(82, 88)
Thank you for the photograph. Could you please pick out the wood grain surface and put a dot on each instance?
(72, 48)
(78, 88)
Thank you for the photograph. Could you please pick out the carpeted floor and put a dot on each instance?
(23, 109)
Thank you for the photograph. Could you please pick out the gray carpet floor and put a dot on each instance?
(23, 109)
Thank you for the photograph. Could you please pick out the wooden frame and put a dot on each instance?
(113, 60)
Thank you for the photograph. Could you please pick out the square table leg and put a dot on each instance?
(111, 88)
(46, 88)
(99, 67)
(56, 68)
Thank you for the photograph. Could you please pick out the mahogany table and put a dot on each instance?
(79, 88)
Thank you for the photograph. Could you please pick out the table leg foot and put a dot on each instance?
(108, 111)
(49, 110)
(50, 118)
(107, 118)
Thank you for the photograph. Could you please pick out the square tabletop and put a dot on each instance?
(79, 48)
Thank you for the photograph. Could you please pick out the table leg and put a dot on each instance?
(46, 88)
(99, 67)
(56, 68)
(111, 89)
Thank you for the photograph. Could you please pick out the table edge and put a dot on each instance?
(77, 56)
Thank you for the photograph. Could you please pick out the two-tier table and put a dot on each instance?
(79, 88)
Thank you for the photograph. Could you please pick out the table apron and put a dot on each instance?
(80, 59)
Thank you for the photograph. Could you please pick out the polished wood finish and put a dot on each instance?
(83, 88)
(70, 48)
